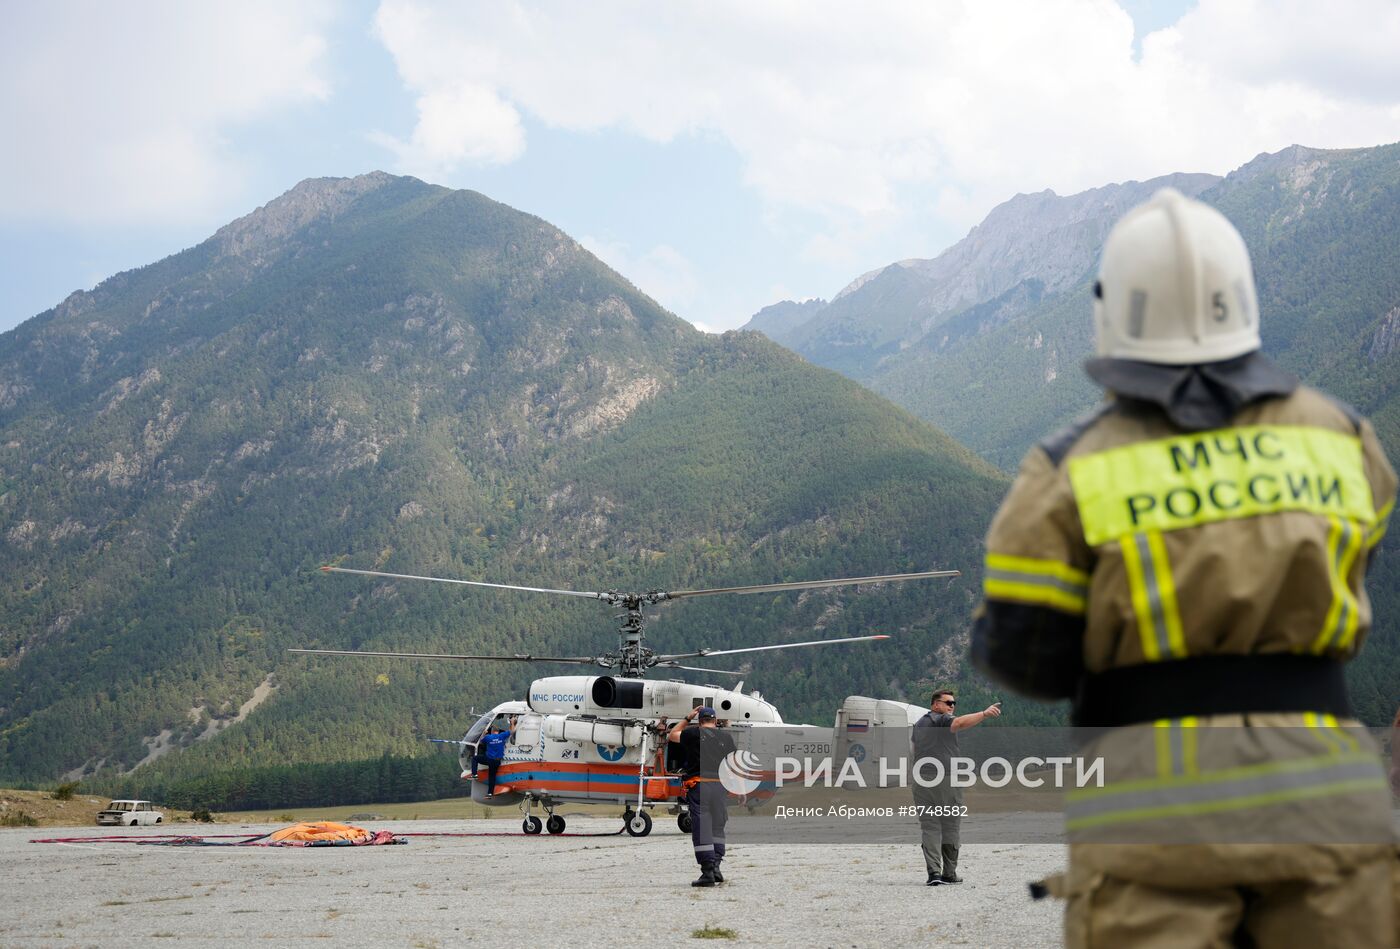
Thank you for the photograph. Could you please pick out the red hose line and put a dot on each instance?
(248, 839)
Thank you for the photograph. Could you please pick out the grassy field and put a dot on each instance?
(451, 808)
(81, 811)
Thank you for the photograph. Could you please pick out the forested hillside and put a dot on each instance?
(1005, 369)
(384, 374)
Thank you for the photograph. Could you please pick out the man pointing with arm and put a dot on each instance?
(940, 807)
(975, 718)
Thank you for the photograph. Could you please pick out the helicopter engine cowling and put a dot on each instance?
(613, 698)
(562, 695)
(591, 731)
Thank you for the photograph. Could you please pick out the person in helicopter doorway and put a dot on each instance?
(490, 751)
(702, 748)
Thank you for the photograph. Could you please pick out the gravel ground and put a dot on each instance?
(510, 891)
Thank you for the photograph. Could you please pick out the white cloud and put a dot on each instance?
(1346, 52)
(844, 109)
(467, 123)
(123, 111)
(662, 273)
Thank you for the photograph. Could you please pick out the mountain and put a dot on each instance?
(1040, 241)
(986, 341)
(780, 318)
(390, 375)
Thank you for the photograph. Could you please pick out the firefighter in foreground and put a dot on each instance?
(702, 748)
(1187, 565)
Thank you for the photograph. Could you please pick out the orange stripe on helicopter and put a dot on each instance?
(584, 767)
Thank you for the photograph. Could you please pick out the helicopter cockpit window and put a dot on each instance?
(479, 728)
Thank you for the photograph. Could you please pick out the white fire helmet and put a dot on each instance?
(1175, 286)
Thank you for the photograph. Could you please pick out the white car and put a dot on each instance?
(129, 814)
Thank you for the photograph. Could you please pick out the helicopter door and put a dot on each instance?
(467, 748)
(527, 732)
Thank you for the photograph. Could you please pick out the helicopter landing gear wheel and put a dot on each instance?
(555, 824)
(684, 822)
(638, 823)
(531, 825)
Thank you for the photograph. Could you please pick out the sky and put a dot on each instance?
(721, 154)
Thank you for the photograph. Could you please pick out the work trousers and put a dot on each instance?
(941, 836)
(709, 812)
(1341, 910)
(492, 766)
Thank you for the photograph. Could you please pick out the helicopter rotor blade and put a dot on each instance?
(816, 584)
(730, 652)
(578, 660)
(468, 583)
(675, 665)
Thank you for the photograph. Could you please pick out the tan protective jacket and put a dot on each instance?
(1246, 539)
(1129, 540)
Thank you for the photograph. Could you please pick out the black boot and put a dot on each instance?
(707, 875)
(719, 877)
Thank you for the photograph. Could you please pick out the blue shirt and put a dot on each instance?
(493, 745)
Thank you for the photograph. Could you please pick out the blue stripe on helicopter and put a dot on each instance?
(596, 778)
(575, 777)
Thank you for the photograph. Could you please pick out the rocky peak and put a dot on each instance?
(310, 200)
(1046, 211)
(1042, 235)
(1295, 164)
(779, 318)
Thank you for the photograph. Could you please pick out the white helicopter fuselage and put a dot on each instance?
(601, 740)
(643, 699)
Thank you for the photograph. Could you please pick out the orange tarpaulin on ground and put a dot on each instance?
(313, 833)
(306, 834)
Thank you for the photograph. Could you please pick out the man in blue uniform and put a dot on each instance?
(490, 751)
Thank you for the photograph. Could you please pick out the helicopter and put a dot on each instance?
(600, 739)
